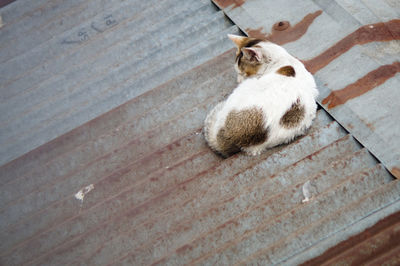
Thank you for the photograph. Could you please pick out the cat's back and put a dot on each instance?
(272, 90)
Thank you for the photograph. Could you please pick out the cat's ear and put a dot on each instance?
(239, 41)
(252, 53)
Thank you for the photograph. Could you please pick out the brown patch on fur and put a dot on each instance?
(293, 116)
(287, 71)
(242, 129)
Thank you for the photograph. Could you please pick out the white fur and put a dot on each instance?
(274, 94)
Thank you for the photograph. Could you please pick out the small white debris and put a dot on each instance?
(305, 200)
(81, 193)
(306, 192)
(371, 26)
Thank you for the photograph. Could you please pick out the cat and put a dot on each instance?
(273, 103)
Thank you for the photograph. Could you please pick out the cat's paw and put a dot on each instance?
(253, 151)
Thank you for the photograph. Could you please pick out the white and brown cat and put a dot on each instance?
(274, 102)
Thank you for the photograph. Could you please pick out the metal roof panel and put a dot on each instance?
(351, 76)
(133, 181)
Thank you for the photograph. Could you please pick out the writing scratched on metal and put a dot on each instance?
(84, 34)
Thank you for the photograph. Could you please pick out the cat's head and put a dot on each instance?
(255, 56)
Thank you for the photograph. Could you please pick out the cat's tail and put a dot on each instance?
(210, 129)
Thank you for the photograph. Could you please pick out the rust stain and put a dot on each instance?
(291, 34)
(395, 172)
(365, 246)
(227, 3)
(371, 126)
(363, 85)
(382, 31)
(184, 248)
(5, 2)
(281, 25)
(282, 32)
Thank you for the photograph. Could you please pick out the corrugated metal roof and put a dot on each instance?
(352, 48)
(120, 172)
(80, 59)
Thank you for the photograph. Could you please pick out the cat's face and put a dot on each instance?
(255, 56)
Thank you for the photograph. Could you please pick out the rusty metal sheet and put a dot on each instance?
(312, 222)
(337, 239)
(338, 218)
(352, 48)
(186, 222)
(138, 185)
(269, 207)
(86, 141)
(134, 128)
(375, 245)
(5, 2)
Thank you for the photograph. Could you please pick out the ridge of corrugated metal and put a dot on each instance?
(151, 191)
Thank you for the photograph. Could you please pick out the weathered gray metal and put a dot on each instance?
(107, 59)
(137, 184)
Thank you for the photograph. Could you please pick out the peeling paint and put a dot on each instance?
(368, 82)
(282, 32)
(383, 31)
